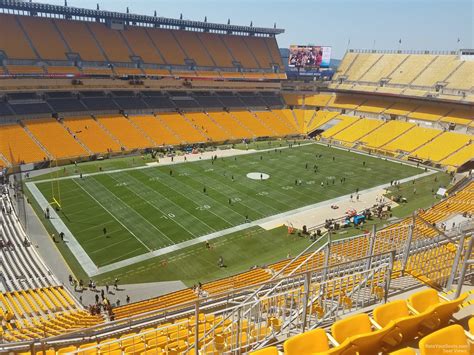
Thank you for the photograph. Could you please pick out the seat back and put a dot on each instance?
(350, 326)
(374, 342)
(450, 338)
(445, 310)
(420, 301)
(394, 310)
(309, 342)
(272, 350)
(414, 326)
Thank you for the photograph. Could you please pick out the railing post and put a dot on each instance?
(326, 263)
(237, 338)
(307, 284)
(196, 332)
(389, 275)
(370, 251)
(456, 262)
(466, 262)
(406, 254)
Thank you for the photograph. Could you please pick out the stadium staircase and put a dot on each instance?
(125, 42)
(60, 34)
(296, 120)
(454, 152)
(422, 71)
(454, 71)
(150, 40)
(425, 143)
(310, 121)
(229, 133)
(108, 132)
(252, 54)
(180, 46)
(96, 41)
(28, 39)
(264, 124)
(203, 46)
(198, 129)
(163, 123)
(75, 138)
(142, 132)
(370, 68)
(38, 143)
(398, 66)
(293, 126)
(240, 123)
(350, 65)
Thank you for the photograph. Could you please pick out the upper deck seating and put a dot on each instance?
(216, 48)
(410, 68)
(141, 44)
(80, 39)
(15, 44)
(166, 43)
(194, 49)
(111, 42)
(240, 51)
(45, 38)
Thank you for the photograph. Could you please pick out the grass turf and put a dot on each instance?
(148, 209)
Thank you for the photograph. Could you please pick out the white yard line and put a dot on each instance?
(105, 209)
(224, 232)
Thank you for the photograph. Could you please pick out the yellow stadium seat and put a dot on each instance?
(406, 351)
(447, 339)
(272, 350)
(309, 342)
(428, 300)
(134, 349)
(409, 326)
(471, 325)
(153, 351)
(358, 331)
(93, 351)
(66, 350)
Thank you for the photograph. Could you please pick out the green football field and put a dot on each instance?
(151, 208)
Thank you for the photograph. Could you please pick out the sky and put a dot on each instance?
(341, 24)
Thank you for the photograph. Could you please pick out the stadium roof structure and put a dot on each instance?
(38, 9)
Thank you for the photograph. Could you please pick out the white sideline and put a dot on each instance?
(82, 257)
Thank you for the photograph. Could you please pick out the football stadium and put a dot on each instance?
(183, 186)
